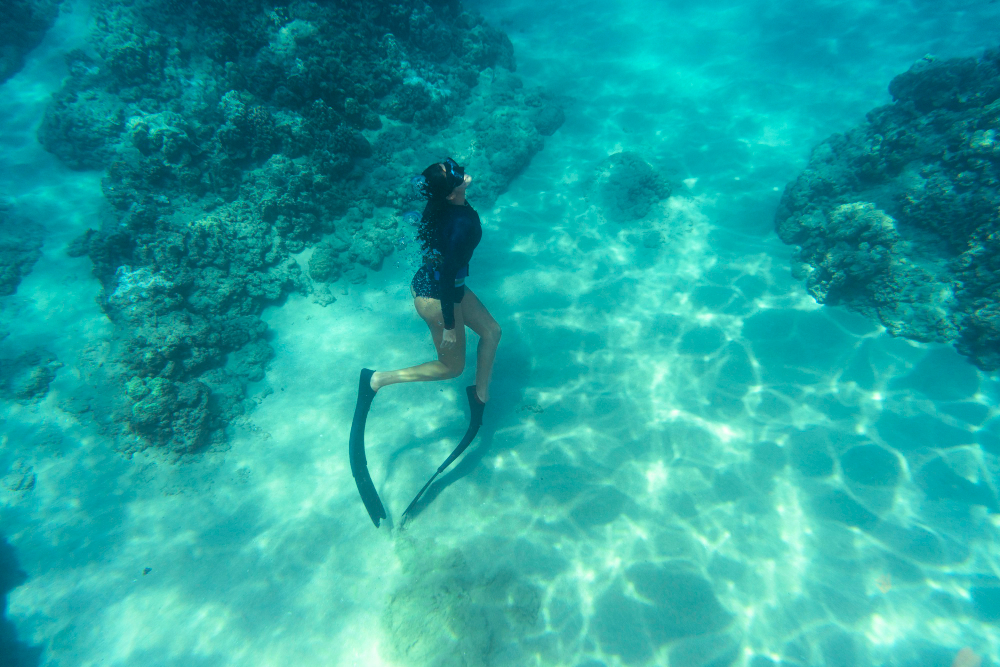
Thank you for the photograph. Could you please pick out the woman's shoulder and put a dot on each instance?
(464, 212)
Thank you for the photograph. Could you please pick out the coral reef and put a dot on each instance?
(23, 24)
(899, 218)
(28, 376)
(232, 136)
(20, 248)
(628, 187)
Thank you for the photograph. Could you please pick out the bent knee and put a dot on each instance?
(453, 366)
(494, 332)
(453, 371)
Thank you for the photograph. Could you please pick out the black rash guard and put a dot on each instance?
(458, 235)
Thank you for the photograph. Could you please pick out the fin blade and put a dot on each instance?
(359, 462)
(369, 496)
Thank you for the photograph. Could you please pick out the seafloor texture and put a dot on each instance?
(899, 218)
(686, 460)
(234, 136)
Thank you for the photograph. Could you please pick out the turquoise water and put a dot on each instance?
(686, 460)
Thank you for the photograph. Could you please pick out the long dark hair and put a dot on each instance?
(436, 187)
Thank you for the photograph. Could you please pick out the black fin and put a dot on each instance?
(359, 463)
(476, 408)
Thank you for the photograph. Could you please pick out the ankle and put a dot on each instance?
(374, 382)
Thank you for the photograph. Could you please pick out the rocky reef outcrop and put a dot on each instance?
(23, 24)
(20, 247)
(234, 135)
(899, 218)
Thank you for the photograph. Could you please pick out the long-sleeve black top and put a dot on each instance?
(457, 237)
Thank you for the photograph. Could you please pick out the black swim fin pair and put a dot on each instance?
(359, 463)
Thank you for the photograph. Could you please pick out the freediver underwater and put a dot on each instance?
(449, 230)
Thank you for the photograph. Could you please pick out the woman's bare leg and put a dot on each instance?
(450, 362)
(479, 320)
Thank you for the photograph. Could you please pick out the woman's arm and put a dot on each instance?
(457, 252)
(448, 271)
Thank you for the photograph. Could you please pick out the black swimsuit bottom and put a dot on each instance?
(424, 284)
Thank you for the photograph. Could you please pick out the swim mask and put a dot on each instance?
(455, 173)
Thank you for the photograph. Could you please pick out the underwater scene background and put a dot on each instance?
(744, 256)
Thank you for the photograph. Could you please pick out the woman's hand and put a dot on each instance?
(449, 338)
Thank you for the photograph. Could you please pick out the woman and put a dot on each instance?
(449, 232)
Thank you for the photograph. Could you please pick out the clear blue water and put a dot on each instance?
(686, 460)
